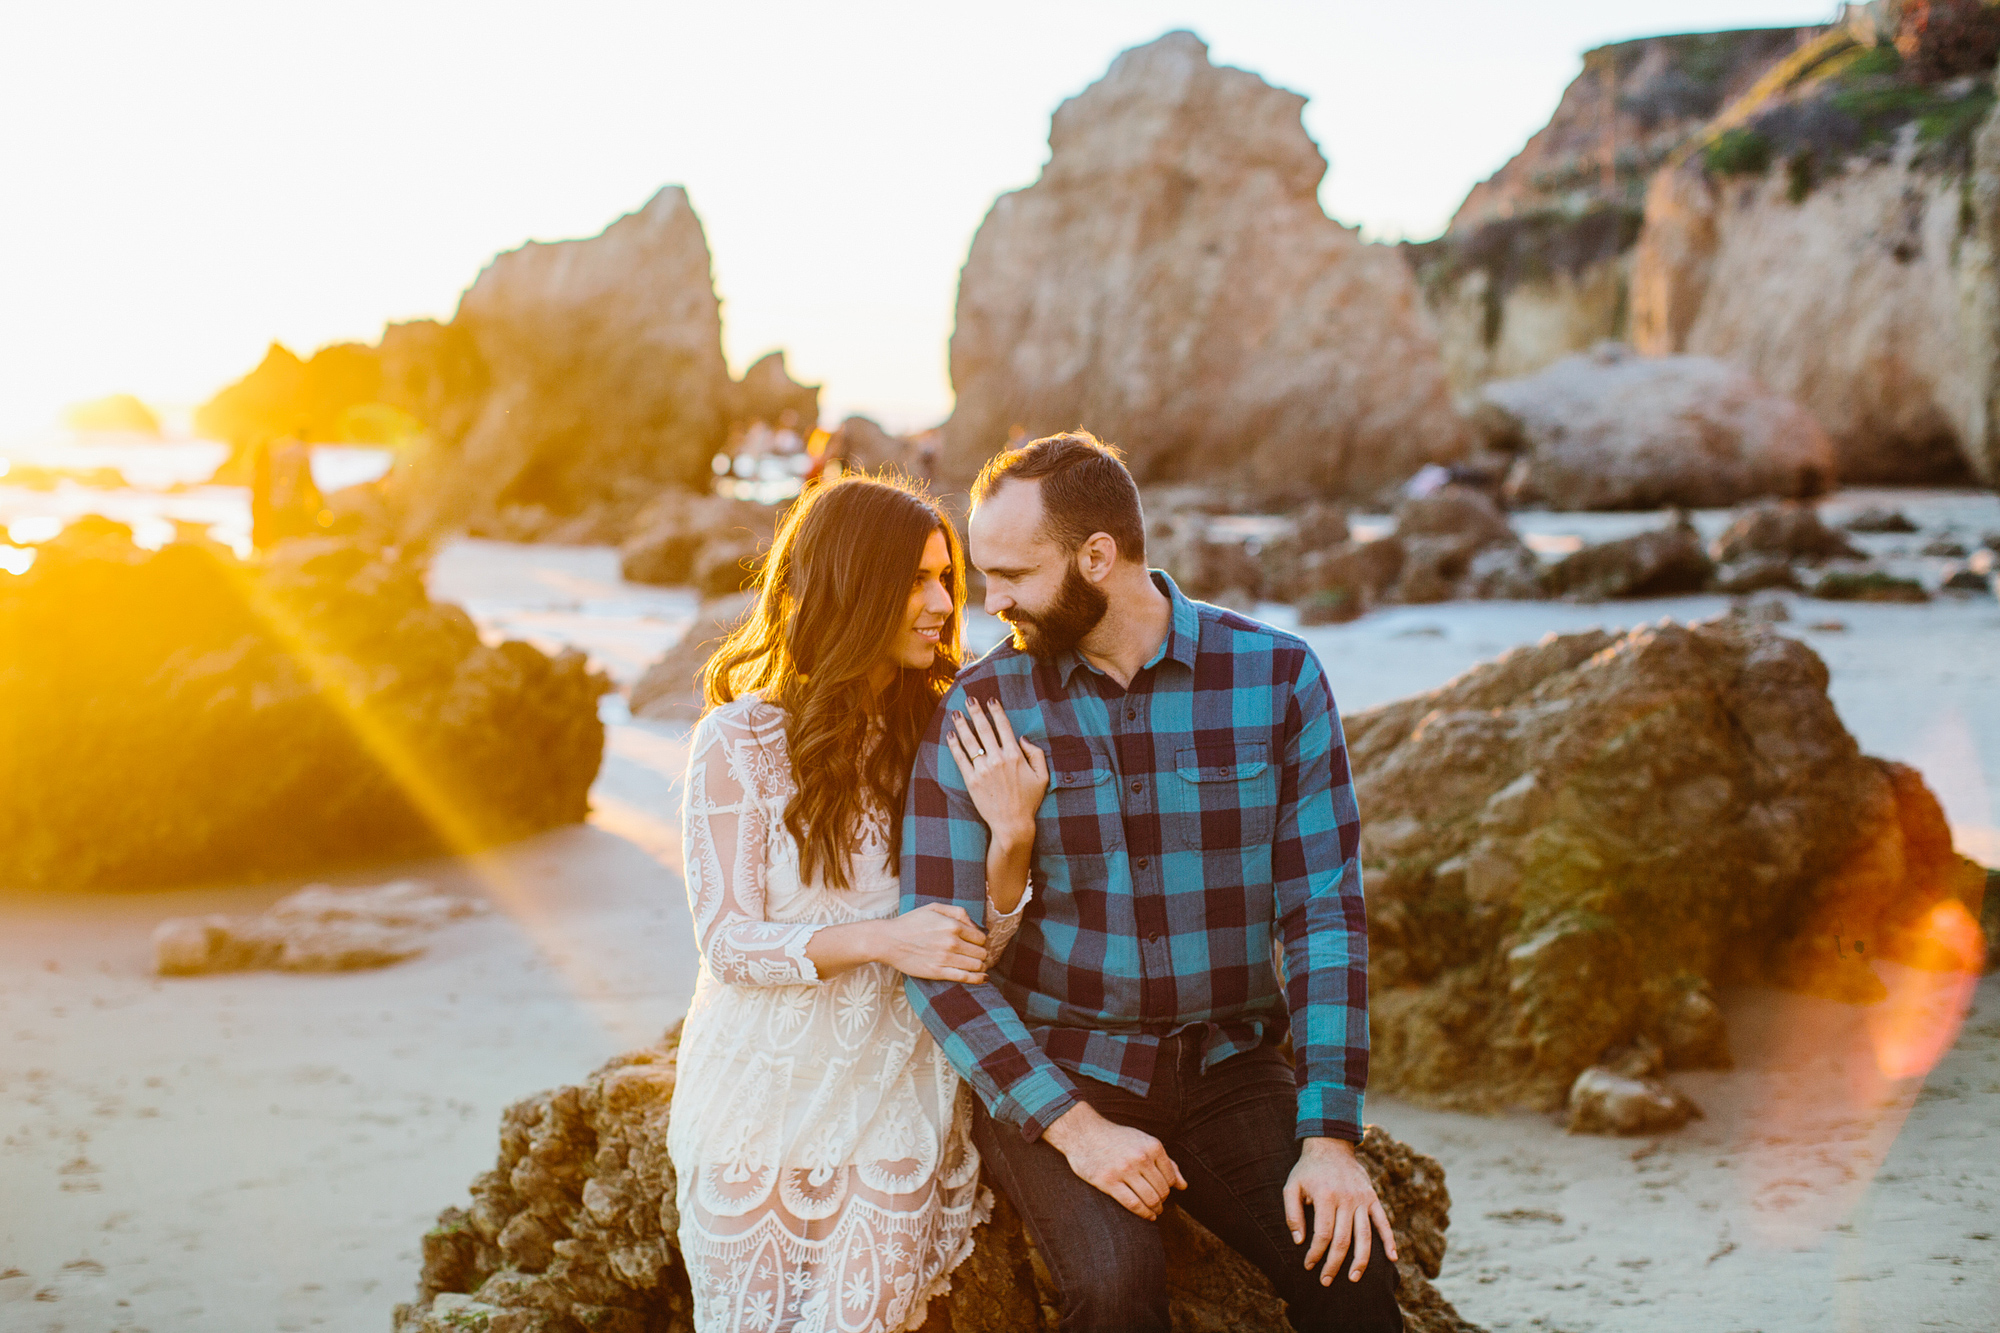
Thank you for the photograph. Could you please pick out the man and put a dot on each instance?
(1125, 1051)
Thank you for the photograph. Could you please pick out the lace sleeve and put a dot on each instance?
(726, 832)
(1000, 926)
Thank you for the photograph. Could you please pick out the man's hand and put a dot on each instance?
(1332, 1180)
(1128, 1164)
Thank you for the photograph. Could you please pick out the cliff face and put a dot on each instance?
(1841, 247)
(1537, 261)
(1172, 283)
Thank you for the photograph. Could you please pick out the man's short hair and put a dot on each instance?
(1086, 490)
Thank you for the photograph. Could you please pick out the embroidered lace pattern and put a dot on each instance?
(827, 1181)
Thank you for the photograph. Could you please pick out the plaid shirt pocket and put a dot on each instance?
(1227, 796)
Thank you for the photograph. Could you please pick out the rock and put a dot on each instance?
(575, 1229)
(1991, 541)
(1219, 570)
(1537, 262)
(1876, 519)
(309, 709)
(1609, 430)
(862, 445)
(1841, 243)
(1944, 548)
(287, 397)
(1344, 583)
(285, 502)
(1662, 563)
(670, 688)
(1867, 585)
(1989, 920)
(1570, 847)
(767, 392)
(1782, 528)
(1602, 1102)
(1757, 573)
(1963, 578)
(1172, 283)
(317, 929)
(119, 412)
(605, 375)
(1457, 544)
(671, 534)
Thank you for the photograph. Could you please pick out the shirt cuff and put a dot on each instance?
(1037, 1100)
(1027, 896)
(1329, 1111)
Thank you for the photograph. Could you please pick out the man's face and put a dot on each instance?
(1031, 582)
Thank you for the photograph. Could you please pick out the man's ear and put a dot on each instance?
(1097, 555)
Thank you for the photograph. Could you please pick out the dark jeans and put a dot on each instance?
(1231, 1133)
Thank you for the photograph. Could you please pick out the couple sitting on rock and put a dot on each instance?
(1062, 876)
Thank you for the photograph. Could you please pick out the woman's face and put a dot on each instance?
(929, 608)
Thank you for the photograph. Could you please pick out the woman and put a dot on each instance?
(826, 1174)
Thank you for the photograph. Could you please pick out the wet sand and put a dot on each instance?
(264, 1151)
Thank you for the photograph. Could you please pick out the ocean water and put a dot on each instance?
(166, 488)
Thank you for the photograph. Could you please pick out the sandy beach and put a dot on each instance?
(261, 1150)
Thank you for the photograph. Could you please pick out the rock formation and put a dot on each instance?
(1662, 563)
(574, 1230)
(606, 375)
(309, 709)
(680, 536)
(285, 397)
(1570, 847)
(1776, 528)
(1537, 262)
(767, 392)
(317, 929)
(1608, 430)
(1172, 283)
(1838, 239)
(116, 412)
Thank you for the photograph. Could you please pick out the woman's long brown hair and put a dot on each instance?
(832, 596)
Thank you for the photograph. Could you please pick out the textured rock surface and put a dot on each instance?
(1604, 1102)
(1660, 563)
(574, 1229)
(605, 369)
(669, 689)
(1848, 261)
(1776, 528)
(670, 535)
(1172, 283)
(1537, 261)
(317, 929)
(767, 392)
(1609, 430)
(1569, 847)
(311, 708)
(1457, 544)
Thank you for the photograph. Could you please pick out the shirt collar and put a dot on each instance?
(1182, 641)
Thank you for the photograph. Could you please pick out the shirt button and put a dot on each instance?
(1131, 713)
(1142, 863)
(1138, 786)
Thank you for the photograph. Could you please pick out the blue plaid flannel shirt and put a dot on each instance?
(1190, 820)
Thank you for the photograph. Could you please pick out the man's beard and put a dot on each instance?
(1059, 627)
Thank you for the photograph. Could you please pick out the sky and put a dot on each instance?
(181, 184)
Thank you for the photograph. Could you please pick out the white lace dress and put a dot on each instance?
(822, 1145)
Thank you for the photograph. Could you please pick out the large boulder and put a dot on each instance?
(214, 719)
(574, 1229)
(1609, 430)
(606, 379)
(1571, 847)
(1172, 283)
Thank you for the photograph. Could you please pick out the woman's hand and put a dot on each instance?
(1006, 778)
(935, 943)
